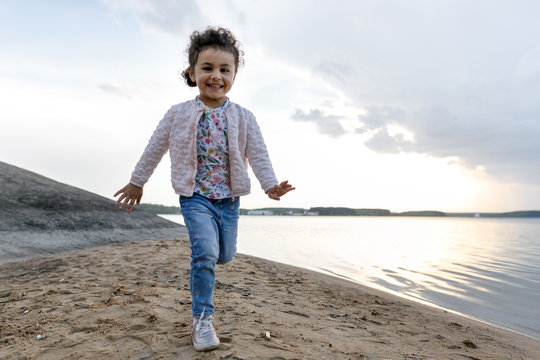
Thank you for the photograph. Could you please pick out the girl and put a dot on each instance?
(210, 140)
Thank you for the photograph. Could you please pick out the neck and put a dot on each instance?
(212, 103)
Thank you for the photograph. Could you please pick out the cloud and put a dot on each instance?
(463, 84)
(111, 89)
(460, 84)
(326, 124)
(383, 142)
(173, 17)
(180, 17)
(505, 144)
(333, 69)
(378, 117)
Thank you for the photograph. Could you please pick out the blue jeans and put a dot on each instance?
(213, 228)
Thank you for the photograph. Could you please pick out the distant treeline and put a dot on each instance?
(159, 209)
(513, 214)
(341, 211)
(344, 211)
(277, 211)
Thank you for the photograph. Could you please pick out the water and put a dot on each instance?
(488, 269)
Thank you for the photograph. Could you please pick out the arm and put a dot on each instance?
(261, 165)
(257, 156)
(158, 145)
(154, 151)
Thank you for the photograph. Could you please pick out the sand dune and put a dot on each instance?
(40, 216)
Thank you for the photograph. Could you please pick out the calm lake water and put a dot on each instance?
(488, 269)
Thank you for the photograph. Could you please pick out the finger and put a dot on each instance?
(283, 183)
(284, 190)
(131, 203)
(123, 197)
(118, 192)
(274, 196)
(120, 199)
(124, 203)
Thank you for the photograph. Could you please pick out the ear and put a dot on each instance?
(191, 74)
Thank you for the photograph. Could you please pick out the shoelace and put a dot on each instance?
(204, 326)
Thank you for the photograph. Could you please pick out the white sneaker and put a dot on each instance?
(204, 335)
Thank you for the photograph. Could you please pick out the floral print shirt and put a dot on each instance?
(212, 180)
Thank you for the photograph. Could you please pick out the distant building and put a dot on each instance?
(305, 213)
(260, 212)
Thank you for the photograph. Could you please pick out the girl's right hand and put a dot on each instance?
(130, 194)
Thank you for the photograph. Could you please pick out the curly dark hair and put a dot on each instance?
(219, 38)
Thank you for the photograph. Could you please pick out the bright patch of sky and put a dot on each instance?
(368, 104)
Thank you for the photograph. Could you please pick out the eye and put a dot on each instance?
(225, 70)
(207, 68)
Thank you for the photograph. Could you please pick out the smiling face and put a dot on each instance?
(214, 74)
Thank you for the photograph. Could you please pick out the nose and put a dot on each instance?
(216, 74)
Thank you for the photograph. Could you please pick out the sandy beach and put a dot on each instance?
(132, 301)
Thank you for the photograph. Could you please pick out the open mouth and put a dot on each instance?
(215, 86)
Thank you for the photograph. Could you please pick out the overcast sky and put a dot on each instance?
(403, 105)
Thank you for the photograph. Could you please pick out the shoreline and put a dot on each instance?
(134, 297)
(421, 302)
(322, 271)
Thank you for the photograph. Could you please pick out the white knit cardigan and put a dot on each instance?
(177, 132)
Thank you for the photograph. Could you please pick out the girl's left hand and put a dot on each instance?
(279, 190)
